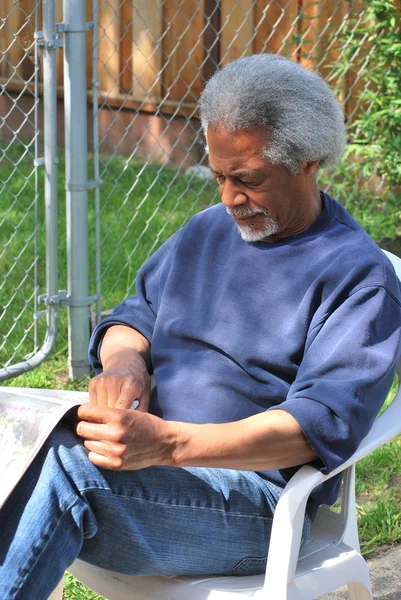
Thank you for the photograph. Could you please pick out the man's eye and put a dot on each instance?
(220, 178)
(249, 183)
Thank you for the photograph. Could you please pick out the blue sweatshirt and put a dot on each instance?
(309, 324)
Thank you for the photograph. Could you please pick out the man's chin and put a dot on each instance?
(249, 234)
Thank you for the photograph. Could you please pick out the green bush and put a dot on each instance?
(368, 179)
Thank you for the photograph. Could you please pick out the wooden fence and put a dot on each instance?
(158, 53)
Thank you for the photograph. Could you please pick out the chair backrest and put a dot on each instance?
(396, 262)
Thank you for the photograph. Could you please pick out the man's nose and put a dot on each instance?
(231, 195)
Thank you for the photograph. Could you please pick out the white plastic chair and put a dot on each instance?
(330, 559)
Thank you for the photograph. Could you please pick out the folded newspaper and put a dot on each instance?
(27, 417)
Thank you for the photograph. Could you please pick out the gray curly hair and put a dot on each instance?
(299, 110)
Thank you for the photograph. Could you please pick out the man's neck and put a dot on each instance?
(309, 212)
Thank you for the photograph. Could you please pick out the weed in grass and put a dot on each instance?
(73, 590)
(379, 521)
(376, 470)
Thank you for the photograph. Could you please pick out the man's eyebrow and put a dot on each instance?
(239, 172)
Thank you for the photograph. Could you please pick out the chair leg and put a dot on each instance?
(58, 592)
(358, 591)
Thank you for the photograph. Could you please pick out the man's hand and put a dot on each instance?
(124, 380)
(125, 439)
(125, 356)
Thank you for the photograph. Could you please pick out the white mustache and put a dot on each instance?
(246, 212)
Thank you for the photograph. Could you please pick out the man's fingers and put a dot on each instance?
(95, 413)
(125, 400)
(100, 396)
(108, 449)
(96, 393)
(98, 447)
(120, 388)
(104, 391)
(144, 400)
(92, 395)
(94, 431)
(130, 394)
(104, 462)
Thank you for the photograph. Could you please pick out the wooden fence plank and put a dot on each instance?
(58, 11)
(237, 29)
(26, 38)
(276, 27)
(109, 47)
(15, 20)
(321, 45)
(126, 46)
(354, 83)
(89, 42)
(146, 63)
(211, 37)
(309, 32)
(9, 43)
(319, 25)
(183, 49)
(328, 43)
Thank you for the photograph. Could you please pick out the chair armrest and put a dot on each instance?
(289, 515)
(288, 521)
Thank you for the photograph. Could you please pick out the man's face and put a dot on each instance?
(262, 198)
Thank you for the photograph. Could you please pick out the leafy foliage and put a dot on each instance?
(369, 177)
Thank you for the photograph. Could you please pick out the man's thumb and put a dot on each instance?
(126, 401)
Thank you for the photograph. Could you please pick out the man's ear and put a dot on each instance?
(310, 167)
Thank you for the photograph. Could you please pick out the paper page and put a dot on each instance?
(27, 417)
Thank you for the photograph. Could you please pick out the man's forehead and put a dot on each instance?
(227, 145)
(238, 135)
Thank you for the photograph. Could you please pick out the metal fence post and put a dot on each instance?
(50, 160)
(48, 41)
(74, 28)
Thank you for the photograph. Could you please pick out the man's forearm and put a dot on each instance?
(270, 440)
(128, 439)
(121, 344)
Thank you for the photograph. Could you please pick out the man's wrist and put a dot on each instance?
(120, 342)
(124, 356)
(185, 439)
(168, 438)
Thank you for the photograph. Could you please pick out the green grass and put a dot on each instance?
(73, 590)
(378, 493)
(140, 209)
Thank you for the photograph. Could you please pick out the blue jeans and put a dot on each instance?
(160, 520)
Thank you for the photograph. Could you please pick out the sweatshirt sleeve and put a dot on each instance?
(346, 372)
(138, 311)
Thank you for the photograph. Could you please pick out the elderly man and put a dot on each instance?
(271, 323)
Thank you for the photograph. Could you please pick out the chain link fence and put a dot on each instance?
(19, 182)
(146, 64)
(154, 57)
